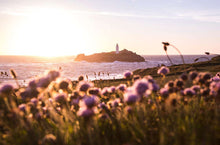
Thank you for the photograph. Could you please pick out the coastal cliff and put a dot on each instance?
(124, 56)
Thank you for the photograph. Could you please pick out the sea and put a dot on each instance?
(30, 67)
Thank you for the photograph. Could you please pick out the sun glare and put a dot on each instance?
(48, 32)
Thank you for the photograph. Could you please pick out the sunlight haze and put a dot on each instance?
(61, 28)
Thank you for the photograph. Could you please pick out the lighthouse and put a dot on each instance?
(117, 49)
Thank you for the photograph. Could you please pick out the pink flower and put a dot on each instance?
(141, 86)
(163, 70)
(121, 87)
(127, 74)
(189, 92)
(84, 86)
(164, 92)
(85, 112)
(6, 89)
(89, 101)
(130, 98)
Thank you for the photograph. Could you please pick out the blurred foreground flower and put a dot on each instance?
(127, 74)
(163, 70)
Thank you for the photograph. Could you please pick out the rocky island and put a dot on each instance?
(123, 55)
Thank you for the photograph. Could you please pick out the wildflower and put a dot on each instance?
(6, 89)
(111, 89)
(80, 78)
(22, 107)
(215, 79)
(60, 98)
(84, 86)
(115, 103)
(74, 95)
(32, 84)
(215, 88)
(149, 79)
(85, 112)
(34, 101)
(130, 98)
(43, 82)
(141, 86)
(94, 91)
(195, 88)
(189, 92)
(105, 91)
(153, 87)
(63, 85)
(193, 75)
(178, 83)
(164, 92)
(128, 74)
(102, 105)
(163, 70)
(29, 93)
(206, 76)
(121, 87)
(170, 84)
(89, 101)
(53, 75)
(184, 77)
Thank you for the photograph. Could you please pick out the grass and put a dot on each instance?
(50, 112)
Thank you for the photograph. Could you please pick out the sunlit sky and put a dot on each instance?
(70, 27)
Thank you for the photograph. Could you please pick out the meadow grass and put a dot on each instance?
(160, 110)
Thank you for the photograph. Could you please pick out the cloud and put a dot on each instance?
(206, 16)
(132, 15)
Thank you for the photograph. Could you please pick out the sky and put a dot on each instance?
(71, 27)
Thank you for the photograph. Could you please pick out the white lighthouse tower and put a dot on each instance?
(117, 49)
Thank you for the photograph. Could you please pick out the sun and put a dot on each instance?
(48, 32)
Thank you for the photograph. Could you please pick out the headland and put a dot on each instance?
(123, 55)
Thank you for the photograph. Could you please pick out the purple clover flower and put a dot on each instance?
(130, 98)
(22, 107)
(127, 74)
(85, 112)
(63, 85)
(193, 75)
(6, 89)
(121, 87)
(164, 92)
(43, 82)
(60, 98)
(163, 70)
(189, 92)
(141, 86)
(53, 75)
(94, 91)
(89, 101)
(84, 86)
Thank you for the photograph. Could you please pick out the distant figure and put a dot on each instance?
(117, 48)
